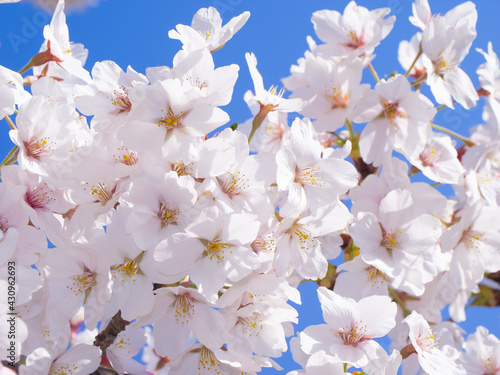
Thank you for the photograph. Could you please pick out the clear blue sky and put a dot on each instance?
(129, 34)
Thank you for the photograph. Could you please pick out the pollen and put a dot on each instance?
(217, 249)
(125, 271)
(472, 239)
(168, 214)
(304, 238)
(180, 168)
(122, 343)
(125, 156)
(101, 192)
(63, 369)
(38, 198)
(374, 277)
(273, 90)
(234, 184)
(183, 308)
(264, 244)
(311, 176)
(251, 324)
(82, 282)
(445, 64)
(121, 100)
(428, 341)
(353, 333)
(391, 240)
(39, 146)
(207, 363)
(170, 120)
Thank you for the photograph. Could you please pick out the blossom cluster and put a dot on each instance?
(135, 223)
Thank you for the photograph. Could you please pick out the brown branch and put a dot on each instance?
(104, 339)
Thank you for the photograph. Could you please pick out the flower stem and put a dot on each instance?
(348, 125)
(399, 301)
(465, 140)
(9, 121)
(407, 351)
(444, 106)
(414, 61)
(7, 160)
(259, 118)
(374, 73)
(420, 80)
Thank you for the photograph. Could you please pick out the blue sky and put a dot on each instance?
(129, 34)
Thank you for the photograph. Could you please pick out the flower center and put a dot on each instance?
(428, 341)
(391, 111)
(251, 324)
(490, 366)
(306, 240)
(83, 282)
(125, 156)
(101, 192)
(234, 184)
(309, 176)
(353, 334)
(337, 98)
(207, 362)
(125, 271)
(355, 40)
(375, 277)
(183, 305)
(429, 156)
(217, 249)
(391, 240)
(180, 168)
(38, 147)
(445, 64)
(170, 120)
(472, 239)
(121, 100)
(38, 198)
(167, 214)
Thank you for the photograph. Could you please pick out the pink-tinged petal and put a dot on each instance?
(208, 326)
(83, 358)
(209, 276)
(374, 142)
(304, 143)
(258, 82)
(171, 334)
(286, 164)
(358, 355)
(296, 201)
(240, 229)
(203, 119)
(208, 225)
(316, 338)
(395, 209)
(378, 314)
(337, 310)
(461, 88)
(178, 253)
